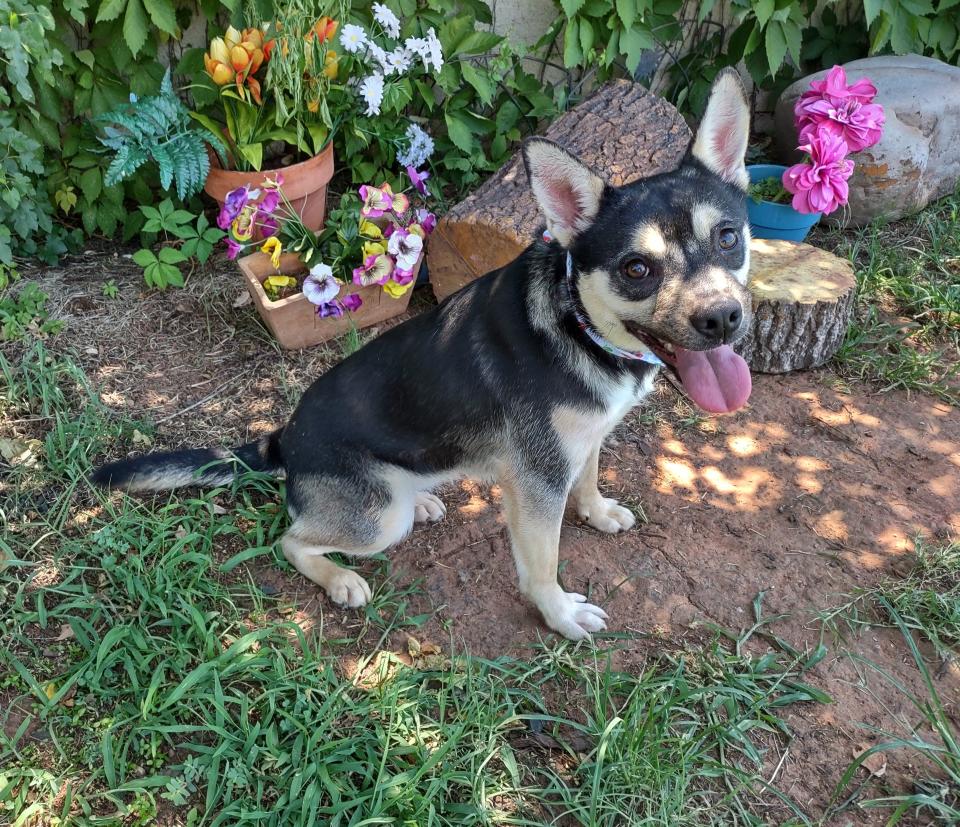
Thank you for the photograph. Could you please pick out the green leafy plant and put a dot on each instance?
(109, 289)
(25, 310)
(198, 238)
(769, 189)
(158, 128)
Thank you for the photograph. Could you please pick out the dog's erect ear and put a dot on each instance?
(721, 142)
(567, 191)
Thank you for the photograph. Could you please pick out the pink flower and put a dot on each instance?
(844, 111)
(834, 86)
(820, 184)
(859, 124)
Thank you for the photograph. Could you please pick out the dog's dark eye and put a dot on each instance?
(636, 268)
(728, 239)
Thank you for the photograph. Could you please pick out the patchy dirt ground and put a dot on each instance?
(814, 490)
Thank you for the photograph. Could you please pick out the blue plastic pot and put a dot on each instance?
(769, 220)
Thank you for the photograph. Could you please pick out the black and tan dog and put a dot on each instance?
(519, 377)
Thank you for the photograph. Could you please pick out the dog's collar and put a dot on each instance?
(591, 333)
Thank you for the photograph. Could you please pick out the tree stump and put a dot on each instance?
(802, 301)
(623, 132)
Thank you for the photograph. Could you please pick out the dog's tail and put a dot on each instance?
(163, 470)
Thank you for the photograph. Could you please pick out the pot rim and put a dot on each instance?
(300, 179)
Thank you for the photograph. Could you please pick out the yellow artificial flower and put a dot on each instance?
(369, 229)
(272, 285)
(273, 247)
(391, 288)
(330, 65)
(373, 248)
(243, 224)
(416, 229)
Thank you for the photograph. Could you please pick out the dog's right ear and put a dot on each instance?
(567, 191)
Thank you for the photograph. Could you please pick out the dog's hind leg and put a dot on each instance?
(343, 586)
(603, 513)
(356, 516)
(534, 517)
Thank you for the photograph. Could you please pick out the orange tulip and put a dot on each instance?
(217, 62)
(324, 29)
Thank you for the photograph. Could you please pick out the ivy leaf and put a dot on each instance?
(478, 81)
(627, 12)
(572, 55)
(633, 44)
(110, 10)
(764, 11)
(91, 183)
(144, 257)
(794, 36)
(135, 26)
(162, 14)
(459, 131)
(776, 44)
(571, 7)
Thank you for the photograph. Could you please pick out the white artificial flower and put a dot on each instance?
(420, 149)
(371, 90)
(352, 38)
(419, 46)
(320, 286)
(405, 248)
(398, 61)
(436, 51)
(387, 19)
(379, 55)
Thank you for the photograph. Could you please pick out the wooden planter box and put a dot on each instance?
(294, 321)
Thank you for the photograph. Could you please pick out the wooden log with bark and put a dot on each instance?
(802, 301)
(624, 132)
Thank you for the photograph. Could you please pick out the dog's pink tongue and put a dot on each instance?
(717, 380)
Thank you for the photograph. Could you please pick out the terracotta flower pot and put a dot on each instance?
(305, 184)
(294, 321)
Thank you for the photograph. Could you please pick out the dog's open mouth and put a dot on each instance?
(718, 380)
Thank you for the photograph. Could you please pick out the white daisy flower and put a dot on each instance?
(387, 19)
(398, 61)
(379, 55)
(436, 51)
(419, 46)
(352, 38)
(371, 90)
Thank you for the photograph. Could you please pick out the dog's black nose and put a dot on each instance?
(719, 322)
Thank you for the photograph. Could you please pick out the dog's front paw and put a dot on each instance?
(347, 588)
(569, 614)
(605, 514)
(428, 508)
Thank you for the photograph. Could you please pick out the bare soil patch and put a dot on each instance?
(816, 489)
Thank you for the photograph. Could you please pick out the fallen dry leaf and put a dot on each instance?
(139, 438)
(66, 632)
(242, 299)
(876, 763)
(21, 451)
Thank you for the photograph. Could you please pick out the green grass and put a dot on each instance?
(906, 330)
(925, 605)
(145, 674)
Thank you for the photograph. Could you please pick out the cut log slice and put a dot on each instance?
(623, 132)
(802, 300)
